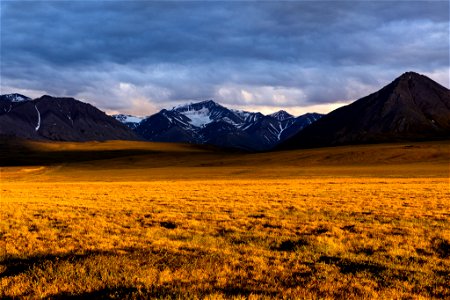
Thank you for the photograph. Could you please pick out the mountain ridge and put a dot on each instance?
(208, 122)
(204, 122)
(411, 107)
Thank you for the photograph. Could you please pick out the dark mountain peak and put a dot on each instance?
(14, 97)
(209, 102)
(65, 101)
(411, 74)
(412, 91)
(412, 107)
(281, 115)
(409, 80)
(48, 97)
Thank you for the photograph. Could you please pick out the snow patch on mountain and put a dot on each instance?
(199, 118)
(282, 129)
(229, 121)
(39, 119)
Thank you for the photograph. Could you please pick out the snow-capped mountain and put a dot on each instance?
(129, 120)
(205, 112)
(208, 122)
(14, 98)
(9, 101)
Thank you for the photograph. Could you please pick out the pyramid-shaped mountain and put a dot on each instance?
(411, 108)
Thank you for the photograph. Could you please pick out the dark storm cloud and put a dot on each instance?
(248, 53)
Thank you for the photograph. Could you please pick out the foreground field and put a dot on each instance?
(377, 225)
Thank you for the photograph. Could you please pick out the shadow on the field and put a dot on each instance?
(157, 292)
(17, 265)
(21, 155)
(441, 246)
(105, 293)
(17, 152)
(158, 258)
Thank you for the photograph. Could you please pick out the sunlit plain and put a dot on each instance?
(187, 222)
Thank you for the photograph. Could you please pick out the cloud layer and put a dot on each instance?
(140, 56)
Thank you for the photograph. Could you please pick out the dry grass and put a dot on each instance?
(285, 225)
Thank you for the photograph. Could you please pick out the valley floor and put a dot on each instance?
(349, 222)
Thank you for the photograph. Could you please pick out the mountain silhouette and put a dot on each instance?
(411, 108)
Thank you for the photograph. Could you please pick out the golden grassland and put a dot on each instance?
(179, 221)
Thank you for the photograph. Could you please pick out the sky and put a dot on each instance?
(138, 57)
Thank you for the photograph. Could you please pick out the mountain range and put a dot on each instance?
(208, 122)
(205, 122)
(412, 107)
